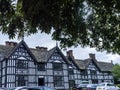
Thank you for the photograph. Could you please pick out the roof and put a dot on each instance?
(43, 57)
(40, 56)
(103, 66)
(50, 53)
(80, 64)
(5, 51)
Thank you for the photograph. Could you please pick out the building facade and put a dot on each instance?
(24, 66)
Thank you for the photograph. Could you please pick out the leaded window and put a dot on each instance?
(21, 64)
(58, 81)
(57, 66)
(41, 67)
(84, 72)
(21, 80)
(71, 71)
(93, 72)
(71, 83)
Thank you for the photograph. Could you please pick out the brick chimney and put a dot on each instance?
(70, 53)
(112, 61)
(92, 56)
(41, 48)
(7, 43)
(12, 44)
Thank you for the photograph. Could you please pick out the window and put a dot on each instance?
(93, 72)
(84, 72)
(21, 64)
(71, 83)
(21, 80)
(57, 66)
(94, 76)
(41, 67)
(58, 81)
(94, 81)
(71, 71)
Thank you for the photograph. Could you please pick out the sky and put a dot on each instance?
(45, 40)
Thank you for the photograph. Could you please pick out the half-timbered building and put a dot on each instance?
(91, 70)
(24, 66)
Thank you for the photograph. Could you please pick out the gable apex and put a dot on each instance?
(50, 53)
(26, 47)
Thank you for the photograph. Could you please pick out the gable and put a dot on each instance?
(72, 65)
(76, 63)
(73, 62)
(22, 51)
(92, 66)
(56, 57)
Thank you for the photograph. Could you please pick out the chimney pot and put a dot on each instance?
(112, 61)
(70, 53)
(45, 48)
(37, 47)
(92, 56)
(7, 43)
(10, 43)
(41, 48)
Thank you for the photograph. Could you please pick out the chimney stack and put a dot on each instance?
(112, 61)
(41, 48)
(92, 56)
(12, 44)
(70, 53)
(7, 43)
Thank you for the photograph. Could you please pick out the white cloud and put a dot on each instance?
(115, 58)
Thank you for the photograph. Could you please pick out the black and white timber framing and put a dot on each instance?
(24, 66)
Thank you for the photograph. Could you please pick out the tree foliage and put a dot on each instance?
(116, 72)
(94, 23)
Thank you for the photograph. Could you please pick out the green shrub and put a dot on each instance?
(118, 85)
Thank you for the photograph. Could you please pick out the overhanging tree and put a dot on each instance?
(94, 23)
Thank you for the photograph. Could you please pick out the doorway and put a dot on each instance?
(41, 81)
